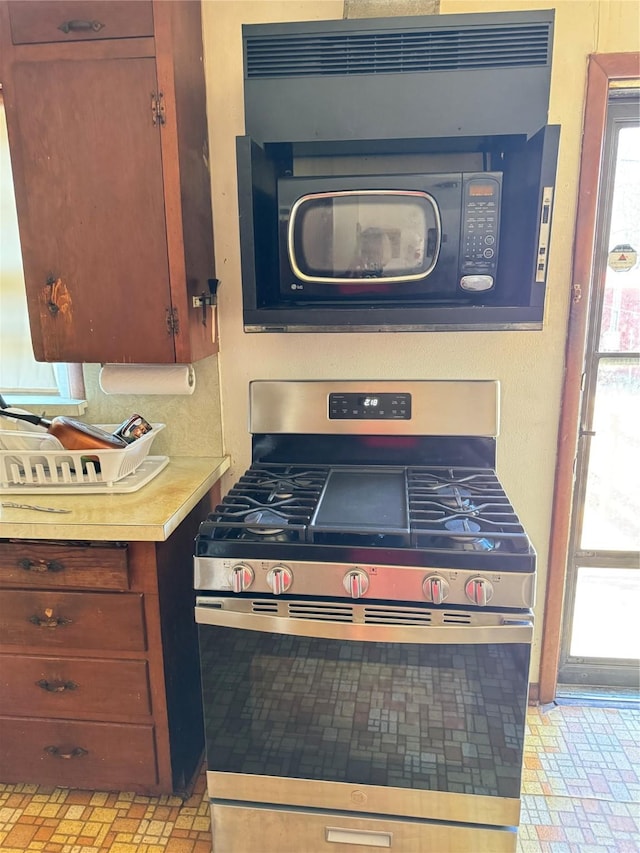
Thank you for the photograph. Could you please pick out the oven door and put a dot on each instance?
(366, 708)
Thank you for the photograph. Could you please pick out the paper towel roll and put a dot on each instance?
(142, 379)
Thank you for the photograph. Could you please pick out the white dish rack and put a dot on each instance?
(45, 465)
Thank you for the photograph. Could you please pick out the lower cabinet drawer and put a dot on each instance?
(108, 621)
(56, 566)
(72, 688)
(100, 756)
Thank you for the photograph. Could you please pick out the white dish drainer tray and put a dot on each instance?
(42, 469)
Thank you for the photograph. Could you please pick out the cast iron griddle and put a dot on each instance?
(367, 500)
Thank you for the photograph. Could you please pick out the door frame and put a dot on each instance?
(602, 70)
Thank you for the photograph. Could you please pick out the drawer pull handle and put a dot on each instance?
(78, 752)
(40, 565)
(80, 26)
(49, 620)
(57, 686)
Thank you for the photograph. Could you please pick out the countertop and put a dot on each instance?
(150, 514)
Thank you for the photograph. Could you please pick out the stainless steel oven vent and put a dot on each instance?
(456, 619)
(396, 616)
(265, 607)
(426, 77)
(320, 611)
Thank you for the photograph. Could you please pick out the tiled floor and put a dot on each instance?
(581, 786)
(581, 792)
(59, 820)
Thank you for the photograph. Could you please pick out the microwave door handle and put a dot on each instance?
(520, 632)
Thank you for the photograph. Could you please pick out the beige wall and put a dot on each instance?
(194, 426)
(529, 365)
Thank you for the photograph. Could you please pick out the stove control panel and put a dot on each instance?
(435, 586)
(370, 407)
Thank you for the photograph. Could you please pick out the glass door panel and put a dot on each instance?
(600, 645)
(620, 318)
(612, 505)
(605, 618)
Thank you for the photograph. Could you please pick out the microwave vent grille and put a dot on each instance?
(417, 50)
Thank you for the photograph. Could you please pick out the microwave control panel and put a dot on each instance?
(480, 231)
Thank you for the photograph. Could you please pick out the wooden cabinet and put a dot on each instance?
(99, 665)
(106, 114)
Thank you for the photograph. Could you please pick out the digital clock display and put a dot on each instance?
(370, 407)
(481, 189)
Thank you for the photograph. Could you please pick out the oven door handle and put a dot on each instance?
(507, 629)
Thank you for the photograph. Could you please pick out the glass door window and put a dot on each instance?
(601, 641)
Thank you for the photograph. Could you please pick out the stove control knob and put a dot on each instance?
(242, 577)
(435, 589)
(279, 579)
(356, 583)
(479, 591)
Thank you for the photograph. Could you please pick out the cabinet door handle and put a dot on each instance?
(81, 26)
(56, 686)
(49, 620)
(78, 752)
(40, 565)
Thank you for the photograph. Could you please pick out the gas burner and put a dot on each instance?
(482, 544)
(460, 529)
(462, 525)
(266, 535)
(267, 522)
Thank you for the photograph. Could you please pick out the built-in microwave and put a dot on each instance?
(352, 238)
(451, 230)
(396, 235)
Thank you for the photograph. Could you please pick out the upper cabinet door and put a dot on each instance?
(106, 113)
(87, 167)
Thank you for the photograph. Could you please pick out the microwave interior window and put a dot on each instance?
(356, 236)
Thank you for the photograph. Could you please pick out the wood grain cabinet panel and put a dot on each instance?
(72, 620)
(77, 754)
(73, 688)
(100, 688)
(59, 566)
(108, 139)
(79, 20)
(124, 205)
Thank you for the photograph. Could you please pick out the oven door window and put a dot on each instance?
(433, 717)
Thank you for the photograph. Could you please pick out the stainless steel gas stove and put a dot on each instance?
(364, 609)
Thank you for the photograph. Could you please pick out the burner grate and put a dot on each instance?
(269, 503)
(462, 509)
(429, 508)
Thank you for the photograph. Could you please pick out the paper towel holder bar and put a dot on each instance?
(143, 379)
